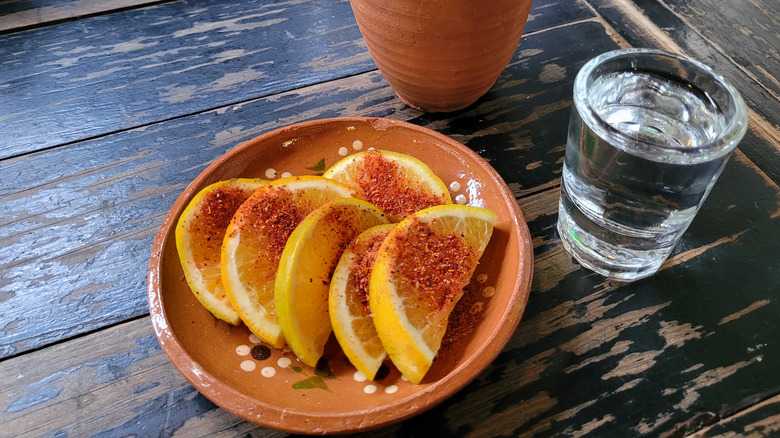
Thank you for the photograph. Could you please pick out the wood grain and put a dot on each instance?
(759, 420)
(78, 222)
(748, 31)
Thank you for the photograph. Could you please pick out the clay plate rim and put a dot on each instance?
(281, 418)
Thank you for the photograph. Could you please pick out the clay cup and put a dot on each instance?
(441, 55)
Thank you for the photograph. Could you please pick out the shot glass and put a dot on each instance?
(649, 134)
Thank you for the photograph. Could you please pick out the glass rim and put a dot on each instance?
(725, 142)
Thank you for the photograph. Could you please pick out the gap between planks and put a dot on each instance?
(705, 432)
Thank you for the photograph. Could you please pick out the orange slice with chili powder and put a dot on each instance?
(418, 276)
(199, 235)
(306, 267)
(397, 183)
(254, 241)
(348, 302)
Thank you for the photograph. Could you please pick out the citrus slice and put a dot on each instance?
(199, 235)
(254, 242)
(306, 267)
(397, 183)
(418, 277)
(350, 315)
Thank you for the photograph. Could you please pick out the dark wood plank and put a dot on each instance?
(78, 222)
(21, 14)
(549, 13)
(107, 73)
(650, 23)
(747, 31)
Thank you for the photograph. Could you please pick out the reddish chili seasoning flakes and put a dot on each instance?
(384, 186)
(218, 208)
(343, 223)
(436, 266)
(361, 268)
(276, 216)
(211, 222)
(462, 320)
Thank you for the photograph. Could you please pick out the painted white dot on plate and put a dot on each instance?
(461, 199)
(391, 389)
(270, 173)
(488, 291)
(286, 174)
(268, 371)
(248, 365)
(254, 339)
(371, 149)
(404, 378)
(454, 186)
(343, 151)
(284, 362)
(243, 350)
(359, 377)
(369, 389)
(357, 145)
(481, 278)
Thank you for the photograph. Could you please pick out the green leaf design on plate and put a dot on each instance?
(319, 167)
(311, 383)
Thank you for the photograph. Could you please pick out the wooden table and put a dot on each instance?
(108, 109)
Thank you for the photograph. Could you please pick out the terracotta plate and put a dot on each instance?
(281, 392)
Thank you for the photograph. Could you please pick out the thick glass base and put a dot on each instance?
(610, 260)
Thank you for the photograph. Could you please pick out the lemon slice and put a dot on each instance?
(305, 269)
(348, 302)
(199, 235)
(418, 277)
(398, 184)
(254, 242)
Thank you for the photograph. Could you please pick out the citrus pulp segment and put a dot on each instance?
(350, 315)
(397, 183)
(418, 276)
(254, 242)
(306, 267)
(199, 235)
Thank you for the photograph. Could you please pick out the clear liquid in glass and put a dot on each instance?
(625, 204)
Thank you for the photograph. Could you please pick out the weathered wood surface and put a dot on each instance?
(86, 78)
(748, 31)
(78, 221)
(693, 349)
(107, 73)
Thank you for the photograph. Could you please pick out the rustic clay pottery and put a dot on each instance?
(441, 55)
(280, 392)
